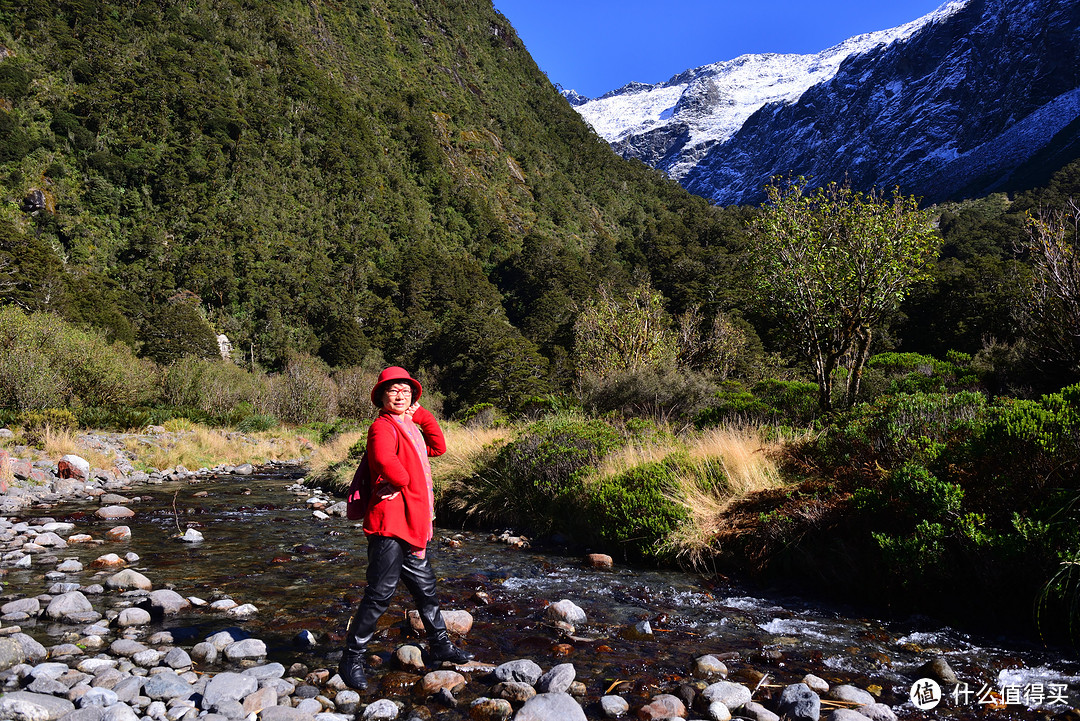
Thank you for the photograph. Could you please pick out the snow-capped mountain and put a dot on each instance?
(958, 101)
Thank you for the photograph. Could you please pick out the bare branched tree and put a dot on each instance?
(1052, 244)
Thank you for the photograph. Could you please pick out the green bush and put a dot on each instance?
(772, 401)
(634, 511)
(45, 362)
(660, 393)
(895, 429)
(303, 392)
(535, 481)
(1038, 440)
(552, 451)
(215, 386)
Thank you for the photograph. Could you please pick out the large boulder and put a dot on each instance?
(11, 653)
(551, 707)
(72, 466)
(70, 606)
(28, 706)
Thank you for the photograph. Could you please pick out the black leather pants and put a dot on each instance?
(390, 560)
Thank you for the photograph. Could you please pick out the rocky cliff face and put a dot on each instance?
(979, 96)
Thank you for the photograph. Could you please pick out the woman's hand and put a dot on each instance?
(411, 409)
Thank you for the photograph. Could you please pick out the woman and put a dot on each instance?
(398, 522)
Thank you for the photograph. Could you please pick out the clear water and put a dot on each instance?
(263, 546)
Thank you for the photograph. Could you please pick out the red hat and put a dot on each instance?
(391, 375)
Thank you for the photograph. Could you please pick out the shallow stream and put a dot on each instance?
(263, 546)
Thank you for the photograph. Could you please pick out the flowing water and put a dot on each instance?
(263, 546)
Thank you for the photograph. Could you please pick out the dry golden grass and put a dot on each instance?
(206, 447)
(325, 463)
(464, 447)
(749, 463)
(748, 460)
(61, 442)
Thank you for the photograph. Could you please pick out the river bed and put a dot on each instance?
(263, 546)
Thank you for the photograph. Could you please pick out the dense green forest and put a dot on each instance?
(385, 180)
(328, 178)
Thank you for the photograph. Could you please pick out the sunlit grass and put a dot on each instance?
(464, 447)
(750, 464)
(61, 442)
(203, 447)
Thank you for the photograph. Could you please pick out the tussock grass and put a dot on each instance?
(749, 462)
(61, 442)
(464, 449)
(205, 447)
(329, 463)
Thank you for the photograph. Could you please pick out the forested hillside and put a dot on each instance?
(324, 177)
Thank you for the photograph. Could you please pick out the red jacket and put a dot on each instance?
(400, 504)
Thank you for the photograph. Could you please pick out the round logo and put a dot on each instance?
(925, 694)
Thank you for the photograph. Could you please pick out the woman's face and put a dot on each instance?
(397, 397)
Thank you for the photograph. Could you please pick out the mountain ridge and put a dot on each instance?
(960, 68)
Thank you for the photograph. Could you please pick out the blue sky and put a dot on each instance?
(594, 47)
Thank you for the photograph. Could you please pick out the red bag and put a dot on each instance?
(356, 503)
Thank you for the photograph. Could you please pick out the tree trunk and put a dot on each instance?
(862, 352)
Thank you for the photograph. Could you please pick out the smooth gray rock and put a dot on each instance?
(229, 686)
(614, 706)
(47, 686)
(719, 712)
(28, 606)
(558, 679)
(133, 617)
(28, 706)
(551, 707)
(204, 652)
(126, 647)
(520, 670)
(128, 579)
(165, 686)
(120, 712)
(846, 714)
(266, 671)
(129, 688)
(103, 697)
(249, 648)
(939, 670)
(852, 694)
(33, 651)
(11, 653)
(168, 602)
(877, 712)
(67, 606)
(565, 610)
(709, 667)
(382, 710)
(284, 713)
(799, 703)
(731, 694)
(87, 713)
(757, 712)
(177, 658)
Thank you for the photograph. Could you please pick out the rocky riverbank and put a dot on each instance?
(108, 657)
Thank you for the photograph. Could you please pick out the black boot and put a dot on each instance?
(351, 669)
(443, 650)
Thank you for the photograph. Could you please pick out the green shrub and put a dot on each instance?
(479, 415)
(535, 481)
(45, 362)
(660, 393)
(769, 401)
(1033, 439)
(303, 392)
(895, 429)
(634, 511)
